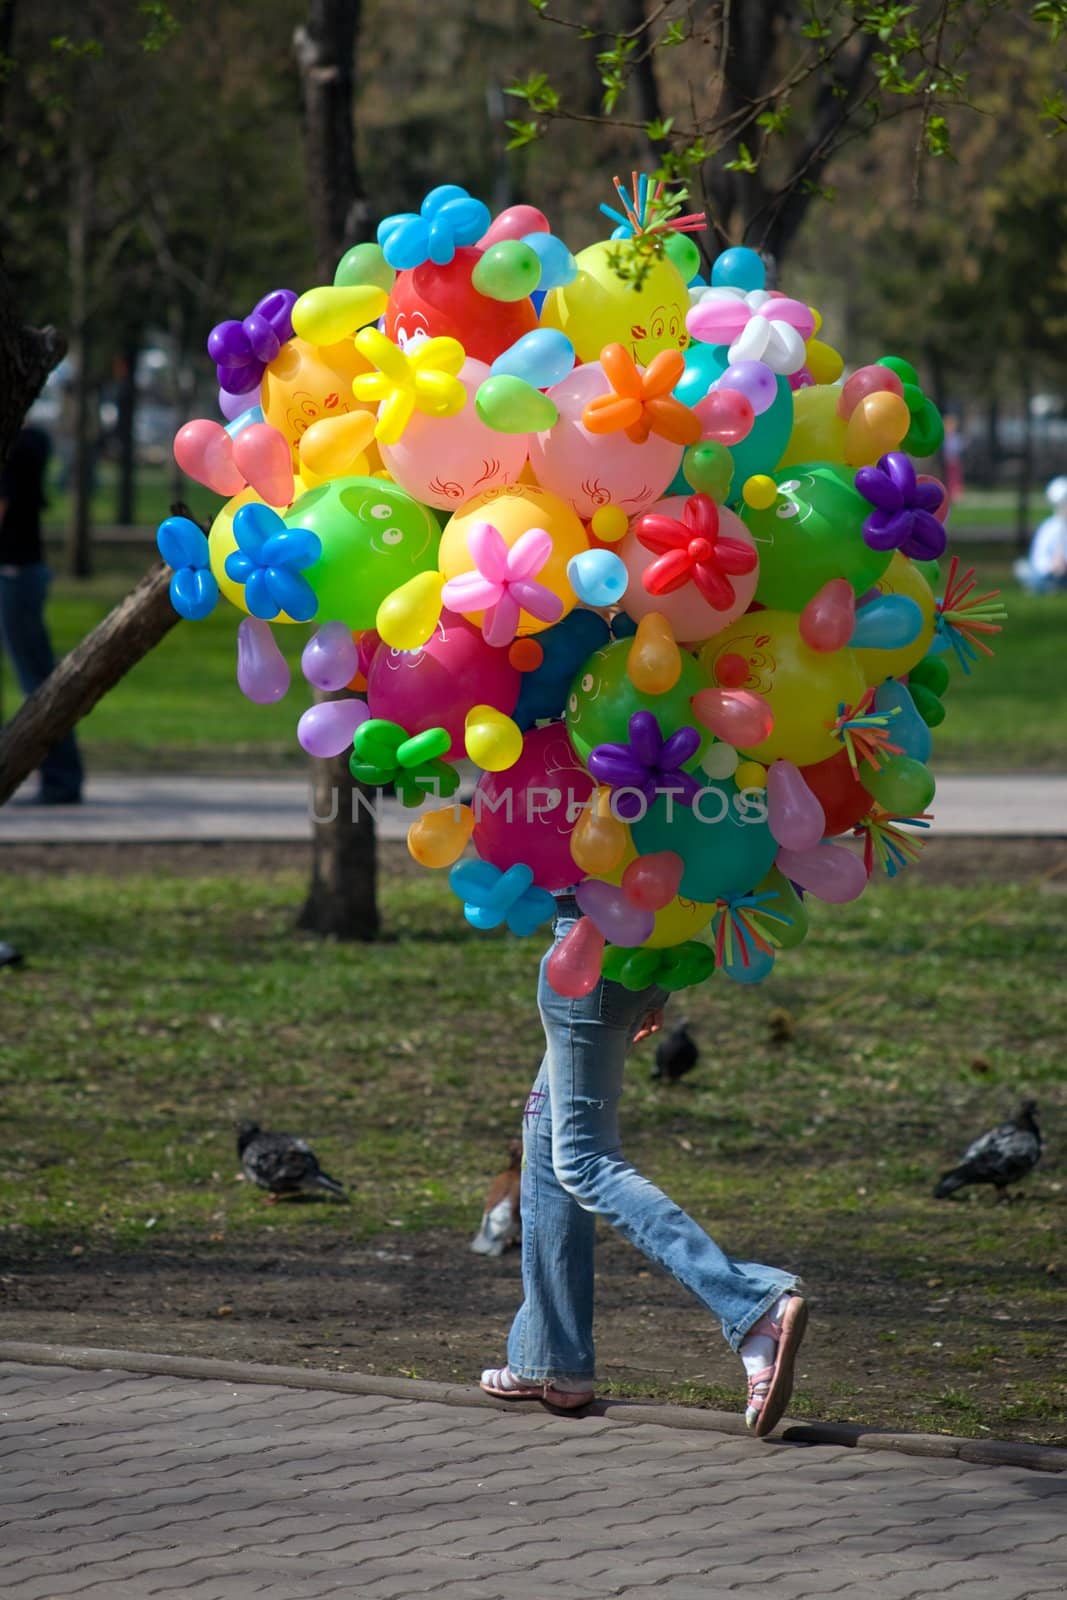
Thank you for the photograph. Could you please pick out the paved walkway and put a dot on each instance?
(122, 1486)
(267, 809)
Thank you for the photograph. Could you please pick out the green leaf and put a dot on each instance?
(674, 33)
(937, 137)
(660, 129)
(744, 161)
(522, 133)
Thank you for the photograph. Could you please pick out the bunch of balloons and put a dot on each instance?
(626, 540)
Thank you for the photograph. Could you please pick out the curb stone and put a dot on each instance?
(983, 1452)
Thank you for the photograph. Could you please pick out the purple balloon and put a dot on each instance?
(902, 518)
(646, 741)
(613, 915)
(753, 379)
(232, 405)
(262, 670)
(331, 658)
(327, 730)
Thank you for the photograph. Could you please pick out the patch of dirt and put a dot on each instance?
(420, 1305)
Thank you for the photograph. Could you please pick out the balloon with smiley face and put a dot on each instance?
(599, 307)
(438, 684)
(811, 533)
(307, 382)
(804, 688)
(431, 302)
(374, 539)
(603, 699)
(445, 461)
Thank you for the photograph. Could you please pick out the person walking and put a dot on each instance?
(573, 1171)
(24, 580)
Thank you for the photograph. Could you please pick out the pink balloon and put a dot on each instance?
(331, 657)
(573, 969)
(592, 470)
(444, 461)
(737, 716)
(326, 730)
(204, 451)
(725, 416)
(651, 882)
(715, 321)
(436, 686)
(514, 223)
(829, 871)
(865, 381)
(829, 618)
(794, 815)
(262, 670)
(691, 618)
(528, 813)
(264, 458)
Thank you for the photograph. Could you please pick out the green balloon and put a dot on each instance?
(511, 405)
(708, 469)
(684, 965)
(634, 969)
(927, 704)
(683, 254)
(927, 431)
(930, 673)
(364, 263)
(902, 785)
(931, 571)
(722, 837)
(813, 532)
(782, 916)
(602, 701)
(374, 538)
(903, 369)
(509, 270)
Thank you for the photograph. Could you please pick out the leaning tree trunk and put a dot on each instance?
(342, 899)
(27, 356)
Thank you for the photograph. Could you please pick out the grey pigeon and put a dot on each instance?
(676, 1054)
(501, 1224)
(1002, 1156)
(282, 1164)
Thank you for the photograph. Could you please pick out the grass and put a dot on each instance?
(179, 709)
(157, 1010)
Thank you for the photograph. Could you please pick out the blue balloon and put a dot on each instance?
(888, 622)
(558, 266)
(245, 420)
(906, 727)
(543, 693)
(724, 841)
(739, 268)
(181, 543)
(765, 446)
(598, 577)
(540, 358)
(194, 593)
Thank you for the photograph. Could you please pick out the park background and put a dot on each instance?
(164, 166)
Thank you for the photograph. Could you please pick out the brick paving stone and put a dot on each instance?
(120, 1486)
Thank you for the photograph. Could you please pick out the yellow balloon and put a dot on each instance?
(680, 919)
(336, 447)
(818, 430)
(407, 617)
(598, 307)
(610, 523)
(823, 362)
(803, 687)
(760, 492)
(750, 775)
(328, 314)
(439, 838)
(655, 661)
(221, 543)
(878, 424)
(901, 577)
(306, 382)
(493, 741)
(513, 509)
(599, 841)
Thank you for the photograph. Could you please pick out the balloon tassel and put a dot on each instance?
(886, 845)
(961, 619)
(865, 733)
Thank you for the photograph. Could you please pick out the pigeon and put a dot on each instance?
(9, 956)
(676, 1054)
(1002, 1156)
(501, 1220)
(282, 1165)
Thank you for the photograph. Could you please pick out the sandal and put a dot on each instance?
(502, 1383)
(770, 1391)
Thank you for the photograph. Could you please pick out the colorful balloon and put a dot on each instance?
(437, 685)
(529, 813)
(600, 307)
(810, 535)
(515, 512)
(445, 461)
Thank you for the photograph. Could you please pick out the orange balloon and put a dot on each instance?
(439, 838)
(599, 841)
(877, 424)
(306, 382)
(655, 661)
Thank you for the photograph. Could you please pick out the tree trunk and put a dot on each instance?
(92, 668)
(342, 898)
(126, 492)
(27, 356)
(79, 557)
(1026, 464)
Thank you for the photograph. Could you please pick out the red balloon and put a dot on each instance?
(514, 223)
(441, 302)
(843, 798)
(828, 620)
(435, 686)
(865, 381)
(651, 882)
(573, 969)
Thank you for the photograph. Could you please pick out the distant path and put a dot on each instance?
(129, 807)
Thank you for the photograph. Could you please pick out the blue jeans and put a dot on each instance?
(23, 591)
(574, 1171)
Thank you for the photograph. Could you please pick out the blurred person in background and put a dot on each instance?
(24, 580)
(952, 455)
(1045, 569)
